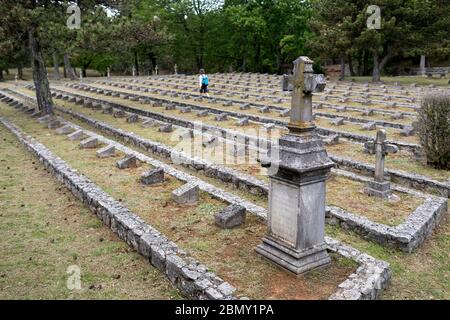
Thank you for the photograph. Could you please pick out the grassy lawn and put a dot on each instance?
(193, 228)
(406, 80)
(45, 230)
(424, 274)
(28, 75)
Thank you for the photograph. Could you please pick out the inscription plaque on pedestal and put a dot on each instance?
(284, 201)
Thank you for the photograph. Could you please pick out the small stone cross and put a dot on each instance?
(378, 187)
(175, 69)
(381, 149)
(108, 72)
(156, 70)
(134, 71)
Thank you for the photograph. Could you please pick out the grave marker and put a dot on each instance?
(379, 188)
(230, 217)
(108, 151)
(129, 161)
(187, 194)
(153, 176)
(296, 218)
(89, 143)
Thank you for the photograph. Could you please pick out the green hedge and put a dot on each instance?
(434, 129)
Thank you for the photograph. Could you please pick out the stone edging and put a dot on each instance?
(367, 283)
(412, 180)
(407, 236)
(185, 273)
(356, 137)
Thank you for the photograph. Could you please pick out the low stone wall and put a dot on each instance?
(185, 273)
(189, 276)
(408, 235)
(369, 280)
(229, 176)
(324, 131)
(411, 180)
(279, 108)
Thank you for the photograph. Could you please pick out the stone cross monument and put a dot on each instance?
(108, 73)
(134, 71)
(379, 188)
(296, 219)
(156, 70)
(81, 75)
(175, 68)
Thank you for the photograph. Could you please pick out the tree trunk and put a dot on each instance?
(83, 71)
(365, 63)
(350, 65)
(64, 72)
(68, 67)
(136, 63)
(1, 75)
(376, 76)
(378, 65)
(56, 74)
(278, 58)
(342, 74)
(20, 72)
(43, 94)
(422, 65)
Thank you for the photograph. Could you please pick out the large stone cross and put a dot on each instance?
(299, 169)
(380, 148)
(304, 82)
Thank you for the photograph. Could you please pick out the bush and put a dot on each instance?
(434, 129)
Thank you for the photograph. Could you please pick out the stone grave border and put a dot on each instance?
(411, 180)
(325, 131)
(324, 115)
(184, 272)
(227, 175)
(321, 114)
(406, 236)
(367, 283)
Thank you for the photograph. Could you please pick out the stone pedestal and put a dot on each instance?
(296, 221)
(299, 169)
(379, 189)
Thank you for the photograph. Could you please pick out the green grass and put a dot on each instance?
(229, 252)
(405, 80)
(424, 274)
(45, 230)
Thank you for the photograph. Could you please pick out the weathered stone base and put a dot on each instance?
(187, 194)
(297, 262)
(106, 152)
(188, 275)
(129, 161)
(380, 190)
(230, 217)
(153, 176)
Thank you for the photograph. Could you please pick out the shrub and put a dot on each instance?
(433, 128)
